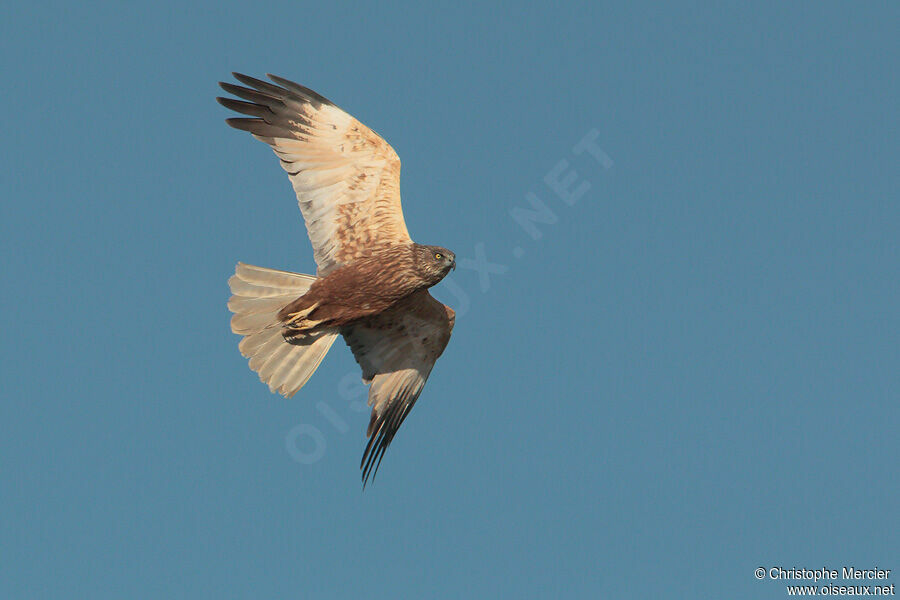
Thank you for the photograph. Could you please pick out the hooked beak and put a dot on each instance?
(453, 263)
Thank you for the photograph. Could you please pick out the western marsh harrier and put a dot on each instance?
(372, 281)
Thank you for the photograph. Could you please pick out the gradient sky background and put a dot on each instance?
(692, 373)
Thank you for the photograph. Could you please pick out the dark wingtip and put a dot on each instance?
(231, 88)
(246, 108)
(311, 95)
(253, 82)
(241, 123)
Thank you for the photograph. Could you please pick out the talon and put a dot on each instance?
(301, 314)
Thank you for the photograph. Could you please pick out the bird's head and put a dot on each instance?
(433, 262)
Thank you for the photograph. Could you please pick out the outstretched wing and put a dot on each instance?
(396, 351)
(346, 177)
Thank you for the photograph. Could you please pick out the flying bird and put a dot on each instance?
(372, 280)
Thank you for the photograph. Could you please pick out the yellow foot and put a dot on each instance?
(296, 317)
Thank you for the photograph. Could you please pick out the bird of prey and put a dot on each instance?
(372, 280)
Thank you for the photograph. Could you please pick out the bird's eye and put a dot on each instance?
(438, 255)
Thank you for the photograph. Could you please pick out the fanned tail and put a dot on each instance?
(258, 296)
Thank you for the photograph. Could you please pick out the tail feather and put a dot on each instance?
(258, 295)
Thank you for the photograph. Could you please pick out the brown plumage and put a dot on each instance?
(372, 278)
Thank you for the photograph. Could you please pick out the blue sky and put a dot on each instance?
(692, 372)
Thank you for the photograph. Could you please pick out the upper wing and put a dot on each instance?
(346, 177)
(397, 350)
